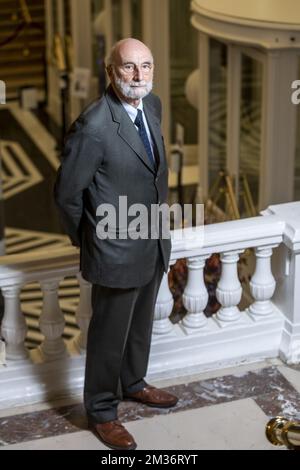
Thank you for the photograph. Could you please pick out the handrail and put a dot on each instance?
(38, 255)
(281, 431)
(223, 236)
(227, 236)
(38, 266)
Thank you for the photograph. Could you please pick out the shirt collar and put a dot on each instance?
(131, 110)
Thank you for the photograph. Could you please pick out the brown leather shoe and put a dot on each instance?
(153, 396)
(113, 435)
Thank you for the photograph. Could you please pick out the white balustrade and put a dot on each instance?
(83, 313)
(196, 343)
(163, 308)
(195, 296)
(229, 290)
(262, 284)
(14, 327)
(52, 321)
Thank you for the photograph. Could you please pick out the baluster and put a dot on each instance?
(262, 284)
(229, 290)
(195, 296)
(163, 308)
(52, 321)
(14, 326)
(83, 313)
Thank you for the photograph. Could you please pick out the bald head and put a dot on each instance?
(125, 48)
(130, 69)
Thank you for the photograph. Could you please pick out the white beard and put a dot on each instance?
(133, 90)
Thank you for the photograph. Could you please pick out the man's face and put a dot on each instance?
(132, 72)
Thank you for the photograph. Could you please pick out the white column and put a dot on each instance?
(233, 113)
(2, 218)
(83, 313)
(126, 19)
(60, 17)
(195, 296)
(54, 102)
(286, 269)
(156, 35)
(287, 299)
(163, 308)
(109, 37)
(203, 147)
(262, 284)
(14, 327)
(81, 26)
(278, 128)
(52, 321)
(229, 290)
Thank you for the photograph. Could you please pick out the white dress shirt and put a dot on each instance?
(132, 113)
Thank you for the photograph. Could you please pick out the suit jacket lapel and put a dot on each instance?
(154, 126)
(127, 130)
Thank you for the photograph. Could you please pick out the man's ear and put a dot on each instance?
(108, 69)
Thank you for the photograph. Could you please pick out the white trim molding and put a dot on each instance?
(231, 22)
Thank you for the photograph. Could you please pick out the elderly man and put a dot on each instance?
(115, 148)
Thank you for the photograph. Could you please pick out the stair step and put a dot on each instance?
(17, 44)
(27, 33)
(8, 26)
(18, 81)
(17, 58)
(9, 73)
(16, 69)
(14, 94)
(11, 24)
(7, 9)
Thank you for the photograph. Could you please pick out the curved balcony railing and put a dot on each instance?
(267, 327)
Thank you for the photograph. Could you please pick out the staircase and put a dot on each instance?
(22, 60)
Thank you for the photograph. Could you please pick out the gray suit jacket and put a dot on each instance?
(104, 158)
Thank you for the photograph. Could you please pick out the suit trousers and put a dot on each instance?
(118, 344)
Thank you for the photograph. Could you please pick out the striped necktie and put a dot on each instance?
(143, 135)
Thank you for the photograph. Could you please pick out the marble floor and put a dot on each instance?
(219, 410)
